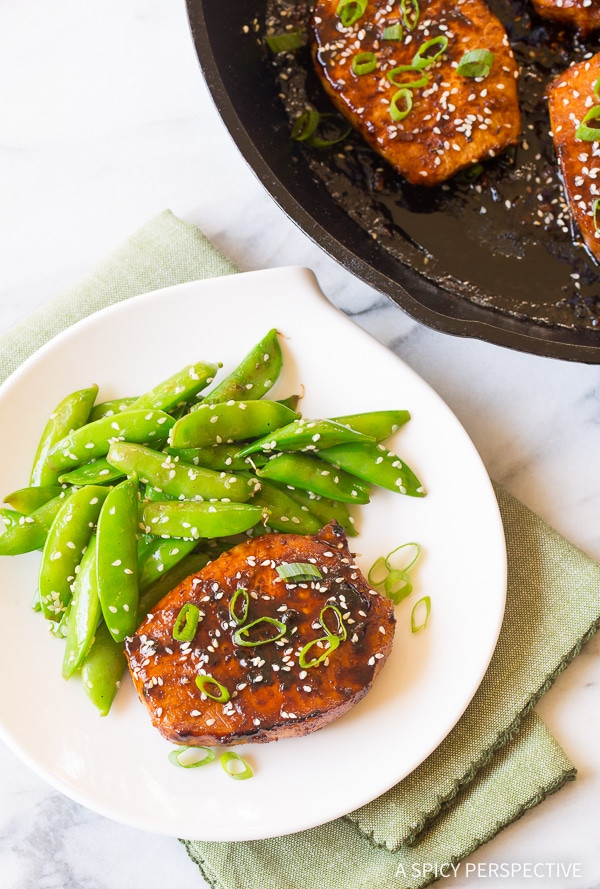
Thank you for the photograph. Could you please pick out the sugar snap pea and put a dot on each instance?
(117, 561)
(10, 517)
(65, 544)
(159, 556)
(96, 472)
(373, 463)
(177, 478)
(29, 532)
(93, 440)
(102, 669)
(83, 614)
(111, 407)
(254, 375)
(229, 421)
(285, 513)
(378, 424)
(193, 519)
(27, 500)
(325, 509)
(71, 413)
(220, 456)
(305, 435)
(180, 387)
(310, 473)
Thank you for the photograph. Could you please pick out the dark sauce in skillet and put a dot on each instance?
(505, 240)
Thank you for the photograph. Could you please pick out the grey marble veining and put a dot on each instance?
(104, 122)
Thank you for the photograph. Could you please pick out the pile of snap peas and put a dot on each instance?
(127, 497)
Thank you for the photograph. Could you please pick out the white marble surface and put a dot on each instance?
(104, 122)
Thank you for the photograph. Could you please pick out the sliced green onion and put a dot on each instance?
(287, 41)
(596, 214)
(350, 11)
(341, 629)
(186, 623)
(393, 32)
(240, 637)
(589, 134)
(187, 757)
(596, 87)
(402, 97)
(202, 680)
(298, 571)
(364, 63)
(332, 644)
(305, 124)
(410, 13)
(423, 58)
(235, 766)
(421, 79)
(391, 562)
(239, 619)
(331, 130)
(476, 63)
(378, 572)
(423, 605)
(397, 585)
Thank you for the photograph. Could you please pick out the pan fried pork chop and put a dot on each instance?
(584, 15)
(570, 98)
(455, 120)
(273, 690)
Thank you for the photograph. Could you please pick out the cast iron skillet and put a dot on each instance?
(245, 91)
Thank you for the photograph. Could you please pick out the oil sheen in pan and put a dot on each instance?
(504, 240)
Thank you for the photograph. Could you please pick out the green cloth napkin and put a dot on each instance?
(498, 761)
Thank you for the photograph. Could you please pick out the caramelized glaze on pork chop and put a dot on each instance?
(270, 694)
(583, 15)
(455, 120)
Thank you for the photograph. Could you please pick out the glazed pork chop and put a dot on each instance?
(455, 120)
(279, 656)
(570, 97)
(583, 15)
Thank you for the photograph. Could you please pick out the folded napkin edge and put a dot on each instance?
(443, 801)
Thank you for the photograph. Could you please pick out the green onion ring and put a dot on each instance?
(422, 79)
(378, 572)
(589, 134)
(238, 636)
(397, 585)
(397, 114)
(393, 32)
(246, 596)
(186, 623)
(231, 759)
(332, 644)
(341, 630)
(410, 13)
(350, 11)
(476, 63)
(596, 87)
(298, 571)
(287, 41)
(174, 755)
(364, 63)
(344, 129)
(596, 214)
(425, 603)
(420, 60)
(202, 680)
(389, 562)
(305, 124)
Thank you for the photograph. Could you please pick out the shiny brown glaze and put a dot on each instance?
(271, 695)
(570, 97)
(455, 121)
(583, 15)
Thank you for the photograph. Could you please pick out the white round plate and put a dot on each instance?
(117, 765)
